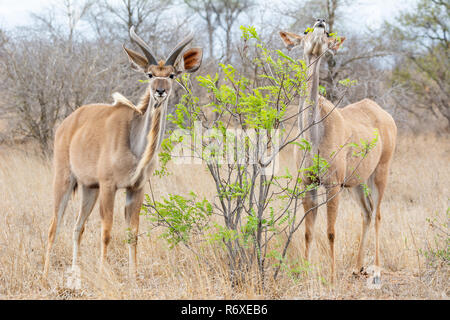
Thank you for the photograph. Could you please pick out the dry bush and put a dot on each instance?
(44, 81)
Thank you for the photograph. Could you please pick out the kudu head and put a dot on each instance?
(162, 73)
(315, 42)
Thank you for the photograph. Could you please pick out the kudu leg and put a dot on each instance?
(310, 208)
(332, 211)
(369, 200)
(63, 186)
(107, 195)
(134, 200)
(377, 235)
(381, 177)
(365, 201)
(88, 198)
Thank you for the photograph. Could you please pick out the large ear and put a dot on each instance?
(192, 59)
(335, 43)
(138, 62)
(290, 39)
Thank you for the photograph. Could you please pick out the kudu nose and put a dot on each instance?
(160, 91)
(320, 23)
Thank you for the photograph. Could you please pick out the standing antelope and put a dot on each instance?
(339, 127)
(102, 148)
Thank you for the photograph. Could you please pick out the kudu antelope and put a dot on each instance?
(333, 130)
(102, 148)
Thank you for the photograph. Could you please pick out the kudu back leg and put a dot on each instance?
(380, 181)
(63, 185)
(367, 196)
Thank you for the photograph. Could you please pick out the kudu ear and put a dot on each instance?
(335, 43)
(290, 39)
(192, 60)
(138, 62)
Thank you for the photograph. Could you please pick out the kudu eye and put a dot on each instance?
(172, 76)
(149, 75)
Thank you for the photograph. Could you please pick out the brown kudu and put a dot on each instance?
(102, 148)
(332, 132)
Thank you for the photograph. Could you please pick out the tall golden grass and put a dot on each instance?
(418, 189)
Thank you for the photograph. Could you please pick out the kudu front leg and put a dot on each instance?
(88, 198)
(107, 195)
(134, 200)
(332, 211)
(310, 209)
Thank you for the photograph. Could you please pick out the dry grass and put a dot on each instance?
(418, 190)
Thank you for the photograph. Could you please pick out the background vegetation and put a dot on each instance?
(72, 55)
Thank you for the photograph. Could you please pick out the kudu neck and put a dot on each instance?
(142, 124)
(313, 80)
(310, 112)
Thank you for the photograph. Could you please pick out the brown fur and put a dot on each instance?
(103, 148)
(340, 127)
